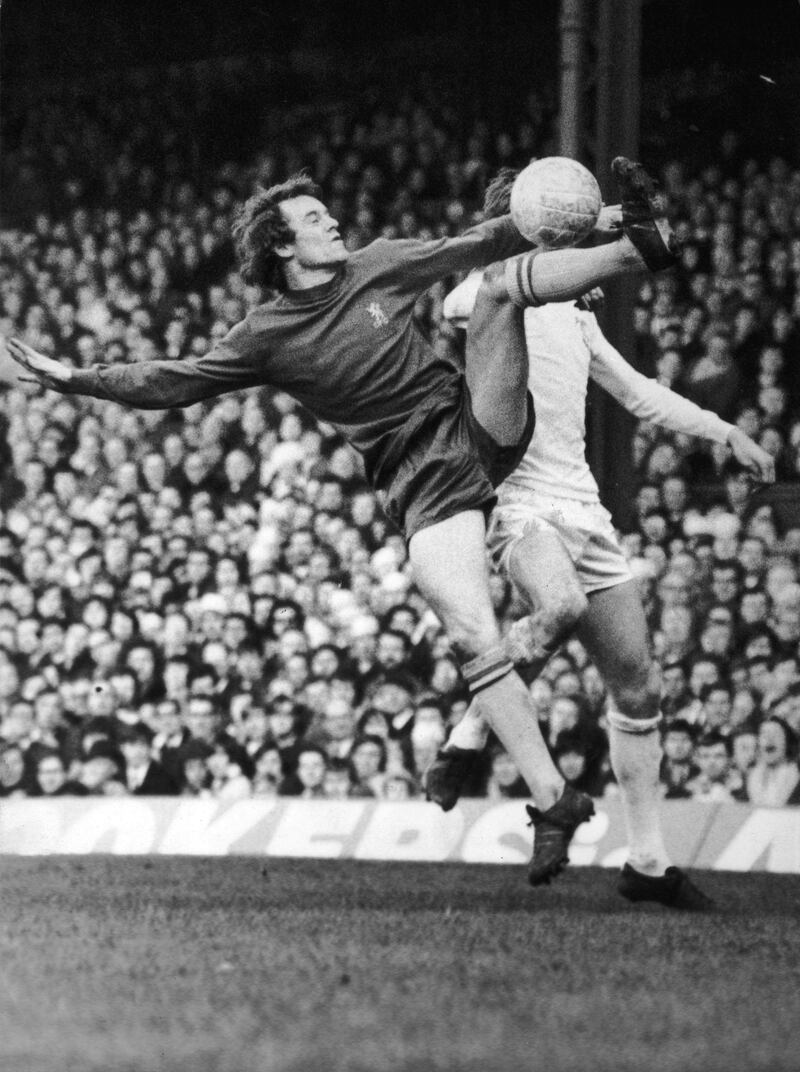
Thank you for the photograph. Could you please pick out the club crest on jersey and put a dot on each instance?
(379, 318)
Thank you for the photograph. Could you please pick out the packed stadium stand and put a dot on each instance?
(210, 601)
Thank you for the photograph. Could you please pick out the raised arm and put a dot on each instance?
(145, 384)
(651, 401)
(426, 262)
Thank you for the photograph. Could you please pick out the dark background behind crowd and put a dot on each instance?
(210, 601)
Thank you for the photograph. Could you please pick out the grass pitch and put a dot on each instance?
(231, 964)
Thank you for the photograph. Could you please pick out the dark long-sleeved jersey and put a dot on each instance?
(347, 350)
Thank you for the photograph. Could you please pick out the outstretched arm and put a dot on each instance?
(651, 401)
(424, 262)
(143, 384)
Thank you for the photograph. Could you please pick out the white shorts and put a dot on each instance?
(584, 529)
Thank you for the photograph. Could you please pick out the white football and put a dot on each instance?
(555, 202)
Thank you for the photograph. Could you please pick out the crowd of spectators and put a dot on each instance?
(210, 602)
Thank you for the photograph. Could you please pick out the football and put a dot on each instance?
(555, 202)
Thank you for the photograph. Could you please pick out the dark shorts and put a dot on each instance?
(452, 465)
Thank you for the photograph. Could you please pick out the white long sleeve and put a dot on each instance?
(645, 398)
(566, 347)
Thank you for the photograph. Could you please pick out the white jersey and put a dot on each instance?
(566, 349)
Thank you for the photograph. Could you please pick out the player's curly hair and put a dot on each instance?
(260, 227)
(497, 198)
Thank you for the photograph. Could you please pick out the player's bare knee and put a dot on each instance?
(493, 286)
(633, 690)
(470, 637)
(559, 617)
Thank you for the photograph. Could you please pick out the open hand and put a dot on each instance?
(44, 370)
(758, 461)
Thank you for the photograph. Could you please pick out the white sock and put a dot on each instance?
(558, 275)
(472, 731)
(635, 759)
(509, 709)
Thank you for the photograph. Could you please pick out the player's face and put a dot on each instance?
(317, 243)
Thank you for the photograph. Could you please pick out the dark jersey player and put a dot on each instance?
(436, 436)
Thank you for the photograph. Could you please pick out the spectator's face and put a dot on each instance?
(676, 624)
(737, 489)
(28, 635)
(34, 566)
(567, 684)
(234, 633)
(753, 608)
(771, 744)
(745, 751)
(292, 642)
(541, 694)
(248, 665)
(674, 590)
(504, 770)
(12, 767)
(391, 651)
(176, 676)
(9, 680)
(18, 723)
(784, 675)
(572, 765)
(50, 775)
(673, 682)
(142, 663)
(95, 614)
(256, 724)
(339, 720)
(324, 663)
(396, 789)
(198, 567)
(136, 752)
(724, 586)
(268, 765)
(673, 494)
(281, 723)
(201, 720)
(427, 714)
(48, 710)
(678, 746)
(703, 673)
(717, 638)
(310, 769)
(713, 761)
(167, 718)
(366, 760)
(33, 477)
(717, 708)
(391, 699)
(564, 714)
(195, 773)
(336, 784)
(362, 509)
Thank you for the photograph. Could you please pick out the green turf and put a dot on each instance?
(241, 965)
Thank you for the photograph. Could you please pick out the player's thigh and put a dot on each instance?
(450, 569)
(540, 566)
(614, 632)
(497, 364)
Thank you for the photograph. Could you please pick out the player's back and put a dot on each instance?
(559, 356)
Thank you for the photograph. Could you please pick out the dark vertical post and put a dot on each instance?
(618, 98)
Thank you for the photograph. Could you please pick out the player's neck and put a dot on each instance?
(301, 277)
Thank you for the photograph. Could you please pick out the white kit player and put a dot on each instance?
(553, 538)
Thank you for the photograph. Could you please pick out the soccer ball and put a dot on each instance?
(555, 202)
